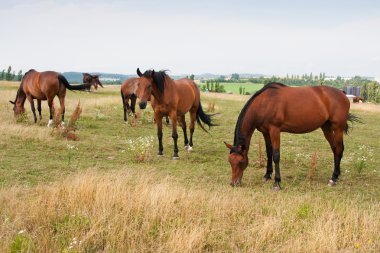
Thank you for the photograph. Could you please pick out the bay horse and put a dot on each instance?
(279, 108)
(357, 99)
(92, 80)
(43, 86)
(173, 98)
(128, 92)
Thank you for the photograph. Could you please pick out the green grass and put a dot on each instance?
(31, 156)
(234, 87)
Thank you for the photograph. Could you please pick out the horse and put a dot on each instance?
(43, 86)
(93, 80)
(173, 98)
(128, 92)
(279, 108)
(357, 99)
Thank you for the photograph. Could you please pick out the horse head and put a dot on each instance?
(92, 80)
(238, 159)
(18, 107)
(145, 87)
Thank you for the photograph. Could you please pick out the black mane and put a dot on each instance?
(158, 78)
(238, 139)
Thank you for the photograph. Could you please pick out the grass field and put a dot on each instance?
(93, 196)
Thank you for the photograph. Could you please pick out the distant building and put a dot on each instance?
(352, 90)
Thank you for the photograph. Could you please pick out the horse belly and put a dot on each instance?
(304, 122)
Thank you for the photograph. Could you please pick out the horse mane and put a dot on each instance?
(158, 78)
(237, 137)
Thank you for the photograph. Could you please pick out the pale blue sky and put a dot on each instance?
(268, 37)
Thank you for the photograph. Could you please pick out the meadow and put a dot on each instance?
(98, 195)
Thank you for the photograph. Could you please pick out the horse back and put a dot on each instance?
(301, 109)
(41, 85)
(187, 93)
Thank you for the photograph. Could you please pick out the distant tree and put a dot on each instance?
(2, 75)
(192, 76)
(235, 76)
(364, 92)
(19, 75)
(8, 75)
(13, 75)
(240, 89)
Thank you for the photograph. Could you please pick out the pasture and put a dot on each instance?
(93, 195)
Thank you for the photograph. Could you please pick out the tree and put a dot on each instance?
(8, 76)
(2, 75)
(235, 76)
(19, 75)
(192, 77)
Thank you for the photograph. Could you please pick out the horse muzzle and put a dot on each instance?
(142, 105)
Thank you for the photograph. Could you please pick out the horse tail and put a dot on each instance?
(122, 98)
(351, 118)
(64, 81)
(205, 118)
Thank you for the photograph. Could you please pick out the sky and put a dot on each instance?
(192, 37)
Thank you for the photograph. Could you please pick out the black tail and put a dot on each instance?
(122, 98)
(205, 118)
(63, 81)
(351, 118)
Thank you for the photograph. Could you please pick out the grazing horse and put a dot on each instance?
(279, 108)
(357, 99)
(128, 92)
(93, 80)
(43, 86)
(173, 98)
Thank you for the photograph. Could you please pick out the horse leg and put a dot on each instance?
(133, 104)
(31, 100)
(269, 150)
(125, 104)
(275, 140)
(158, 119)
(39, 108)
(328, 133)
(338, 136)
(183, 125)
(173, 118)
(62, 103)
(50, 104)
(193, 117)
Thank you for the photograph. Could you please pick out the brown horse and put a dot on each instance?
(43, 86)
(357, 99)
(173, 98)
(93, 80)
(128, 92)
(278, 108)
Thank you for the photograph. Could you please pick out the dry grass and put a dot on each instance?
(137, 212)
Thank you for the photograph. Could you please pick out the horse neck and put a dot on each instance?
(246, 129)
(21, 96)
(164, 97)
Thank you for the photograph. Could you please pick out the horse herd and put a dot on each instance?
(274, 109)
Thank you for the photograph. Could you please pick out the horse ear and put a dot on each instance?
(228, 145)
(11, 102)
(139, 72)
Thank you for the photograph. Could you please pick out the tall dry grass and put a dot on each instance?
(138, 212)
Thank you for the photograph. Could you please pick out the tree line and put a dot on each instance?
(10, 75)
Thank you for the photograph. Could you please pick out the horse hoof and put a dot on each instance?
(190, 149)
(50, 122)
(276, 188)
(331, 183)
(186, 147)
(175, 158)
(266, 179)
(125, 122)
(159, 156)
